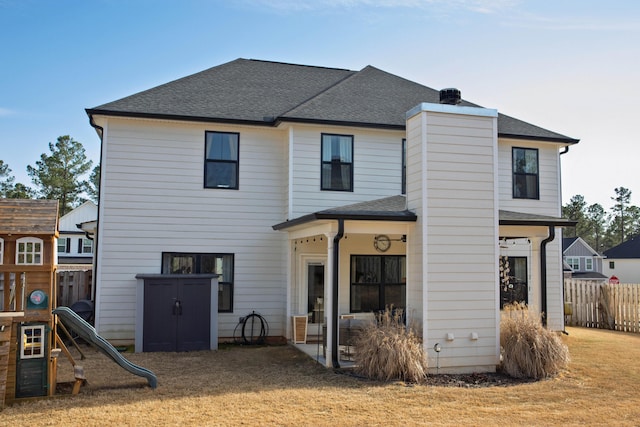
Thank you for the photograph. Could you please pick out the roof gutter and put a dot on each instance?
(334, 294)
(543, 273)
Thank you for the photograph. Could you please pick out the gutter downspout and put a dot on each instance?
(94, 279)
(543, 273)
(334, 293)
(564, 326)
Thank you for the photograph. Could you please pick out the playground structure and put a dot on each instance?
(29, 339)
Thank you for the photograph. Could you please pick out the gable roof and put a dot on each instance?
(567, 242)
(628, 249)
(31, 217)
(571, 242)
(247, 91)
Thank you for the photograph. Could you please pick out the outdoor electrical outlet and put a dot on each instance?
(474, 336)
(241, 320)
(450, 336)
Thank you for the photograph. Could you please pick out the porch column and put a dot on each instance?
(330, 321)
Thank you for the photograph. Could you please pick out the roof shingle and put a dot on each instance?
(265, 93)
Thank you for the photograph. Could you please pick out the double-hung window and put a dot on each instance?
(574, 263)
(588, 264)
(29, 251)
(337, 162)
(525, 173)
(87, 246)
(200, 263)
(221, 160)
(377, 282)
(64, 245)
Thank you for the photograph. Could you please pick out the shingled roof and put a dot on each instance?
(31, 217)
(628, 249)
(247, 91)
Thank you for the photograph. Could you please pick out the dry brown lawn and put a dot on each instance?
(278, 385)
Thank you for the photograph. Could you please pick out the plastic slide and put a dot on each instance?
(78, 325)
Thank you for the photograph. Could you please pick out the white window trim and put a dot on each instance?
(588, 267)
(87, 246)
(576, 259)
(39, 354)
(27, 240)
(1, 250)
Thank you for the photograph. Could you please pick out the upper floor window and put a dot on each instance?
(574, 263)
(221, 160)
(198, 263)
(404, 166)
(87, 246)
(612, 265)
(64, 245)
(29, 251)
(588, 264)
(525, 173)
(337, 162)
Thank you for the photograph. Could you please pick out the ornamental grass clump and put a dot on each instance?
(387, 349)
(528, 349)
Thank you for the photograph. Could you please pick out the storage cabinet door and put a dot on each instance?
(194, 323)
(160, 315)
(177, 315)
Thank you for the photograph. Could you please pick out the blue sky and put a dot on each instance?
(570, 66)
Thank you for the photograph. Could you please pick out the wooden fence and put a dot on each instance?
(595, 304)
(73, 286)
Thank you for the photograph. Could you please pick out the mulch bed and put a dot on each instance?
(473, 380)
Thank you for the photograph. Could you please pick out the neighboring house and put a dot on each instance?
(75, 255)
(623, 261)
(582, 261)
(75, 247)
(28, 233)
(319, 192)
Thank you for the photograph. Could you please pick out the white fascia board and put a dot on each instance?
(451, 109)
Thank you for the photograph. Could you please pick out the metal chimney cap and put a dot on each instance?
(450, 96)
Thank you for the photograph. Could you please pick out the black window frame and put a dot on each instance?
(521, 178)
(335, 163)
(403, 189)
(211, 163)
(197, 257)
(380, 282)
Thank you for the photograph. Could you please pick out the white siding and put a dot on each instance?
(458, 229)
(548, 173)
(153, 201)
(627, 270)
(377, 168)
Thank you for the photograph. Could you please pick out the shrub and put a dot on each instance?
(528, 349)
(387, 349)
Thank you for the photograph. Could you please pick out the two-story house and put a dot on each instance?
(582, 261)
(75, 255)
(319, 192)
